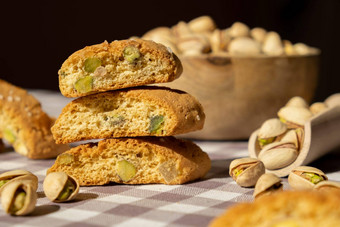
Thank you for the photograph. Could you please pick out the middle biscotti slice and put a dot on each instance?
(143, 111)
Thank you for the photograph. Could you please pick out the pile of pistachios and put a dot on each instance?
(18, 190)
(201, 36)
(250, 172)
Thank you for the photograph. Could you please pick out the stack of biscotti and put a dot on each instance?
(25, 125)
(135, 122)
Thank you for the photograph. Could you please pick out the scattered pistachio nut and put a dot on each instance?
(60, 187)
(270, 130)
(131, 53)
(327, 186)
(278, 155)
(305, 177)
(267, 184)
(294, 117)
(18, 175)
(84, 84)
(126, 170)
(297, 101)
(18, 198)
(244, 46)
(318, 107)
(246, 171)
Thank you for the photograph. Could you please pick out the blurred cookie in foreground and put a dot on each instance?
(148, 160)
(24, 124)
(2, 146)
(283, 209)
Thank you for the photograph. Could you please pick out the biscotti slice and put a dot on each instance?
(25, 125)
(145, 160)
(132, 112)
(285, 209)
(117, 65)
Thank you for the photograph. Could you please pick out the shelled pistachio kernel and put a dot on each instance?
(269, 131)
(65, 159)
(156, 123)
(60, 187)
(305, 177)
(267, 184)
(18, 198)
(91, 64)
(246, 171)
(9, 135)
(18, 175)
(126, 170)
(84, 84)
(131, 53)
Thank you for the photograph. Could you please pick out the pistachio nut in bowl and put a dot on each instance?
(18, 175)
(60, 187)
(305, 177)
(267, 184)
(241, 76)
(270, 130)
(18, 198)
(246, 171)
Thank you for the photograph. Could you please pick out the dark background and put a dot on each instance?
(37, 36)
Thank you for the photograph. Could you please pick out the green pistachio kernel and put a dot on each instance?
(126, 170)
(131, 54)
(237, 172)
(19, 201)
(264, 142)
(67, 191)
(91, 64)
(84, 85)
(65, 159)
(313, 177)
(283, 120)
(9, 136)
(2, 182)
(156, 123)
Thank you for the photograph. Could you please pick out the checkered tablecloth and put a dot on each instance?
(191, 204)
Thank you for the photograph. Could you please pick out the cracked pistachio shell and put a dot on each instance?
(297, 101)
(8, 197)
(19, 175)
(246, 171)
(54, 184)
(271, 128)
(294, 116)
(328, 186)
(278, 155)
(296, 181)
(267, 184)
(318, 107)
(294, 136)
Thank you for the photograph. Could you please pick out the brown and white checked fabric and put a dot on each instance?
(191, 204)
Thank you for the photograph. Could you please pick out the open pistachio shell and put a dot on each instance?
(269, 130)
(278, 155)
(297, 101)
(294, 116)
(327, 186)
(297, 178)
(25, 205)
(18, 175)
(246, 171)
(58, 183)
(294, 136)
(267, 184)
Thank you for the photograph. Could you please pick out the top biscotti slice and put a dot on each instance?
(142, 111)
(25, 125)
(117, 65)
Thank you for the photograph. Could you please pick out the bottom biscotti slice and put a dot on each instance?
(145, 160)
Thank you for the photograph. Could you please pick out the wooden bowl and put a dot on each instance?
(239, 93)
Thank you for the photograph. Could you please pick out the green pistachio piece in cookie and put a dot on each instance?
(126, 170)
(65, 159)
(91, 64)
(156, 123)
(131, 54)
(84, 85)
(9, 136)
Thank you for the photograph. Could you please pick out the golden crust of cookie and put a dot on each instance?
(25, 125)
(156, 64)
(142, 111)
(287, 208)
(164, 160)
